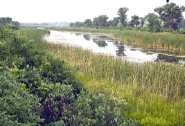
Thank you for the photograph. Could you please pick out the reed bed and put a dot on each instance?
(154, 91)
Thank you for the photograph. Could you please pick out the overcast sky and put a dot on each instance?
(75, 10)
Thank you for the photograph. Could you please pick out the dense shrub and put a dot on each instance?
(36, 89)
(17, 106)
(56, 106)
(96, 109)
(57, 72)
(181, 31)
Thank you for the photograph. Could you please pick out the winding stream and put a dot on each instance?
(99, 43)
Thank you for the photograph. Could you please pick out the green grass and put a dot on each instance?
(154, 91)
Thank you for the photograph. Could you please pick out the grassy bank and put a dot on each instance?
(164, 41)
(154, 92)
(39, 89)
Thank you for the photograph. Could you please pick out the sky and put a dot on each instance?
(37, 11)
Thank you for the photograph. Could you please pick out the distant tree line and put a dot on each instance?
(168, 17)
(8, 20)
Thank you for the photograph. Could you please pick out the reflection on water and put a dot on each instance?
(133, 49)
(110, 46)
(87, 37)
(115, 42)
(172, 59)
(120, 50)
(77, 34)
(99, 42)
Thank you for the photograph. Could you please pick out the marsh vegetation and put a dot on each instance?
(154, 91)
(44, 82)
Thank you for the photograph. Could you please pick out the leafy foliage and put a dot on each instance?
(8, 20)
(154, 22)
(96, 109)
(36, 89)
(135, 21)
(171, 14)
(122, 14)
(17, 105)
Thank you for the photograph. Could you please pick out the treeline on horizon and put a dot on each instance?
(170, 19)
(8, 20)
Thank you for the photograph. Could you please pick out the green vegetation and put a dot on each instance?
(170, 17)
(171, 14)
(15, 25)
(37, 89)
(153, 92)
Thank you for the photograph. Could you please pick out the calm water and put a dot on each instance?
(107, 45)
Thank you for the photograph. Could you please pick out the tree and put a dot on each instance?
(77, 24)
(110, 23)
(95, 22)
(15, 25)
(122, 15)
(131, 23)
(142, 21)
(116, 21)
(6, 20)
(100, 21)
(182, 24)
(71, 24)
(88, 22)
(171, 14)
(154, 22)
(103, 20)
(135, 21)
(113, 22)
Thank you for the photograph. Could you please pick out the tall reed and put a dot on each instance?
(154, 91)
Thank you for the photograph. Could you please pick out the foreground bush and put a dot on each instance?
(36, 89)
(17, 105)
(96, 109)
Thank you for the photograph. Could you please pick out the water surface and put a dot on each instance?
(108, 45)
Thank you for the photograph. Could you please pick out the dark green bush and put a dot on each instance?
(56, 105)
(181, 31)
(57, 72)
(36, 89)
(17, 106)
(96, 109)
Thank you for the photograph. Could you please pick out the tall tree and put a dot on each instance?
(88, 22)
(100, 21)
(154, 23)
(142, 21)
(103, 20)
(95, 22)
(135, 20)
(116, 21)
(113, 22)
(15, 25)
(131, 23)
(182, 24)
(110, 23)
(6, 20)
(71, 24)
(122, 15)
(171, 14)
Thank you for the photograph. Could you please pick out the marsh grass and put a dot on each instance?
(154, 91)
